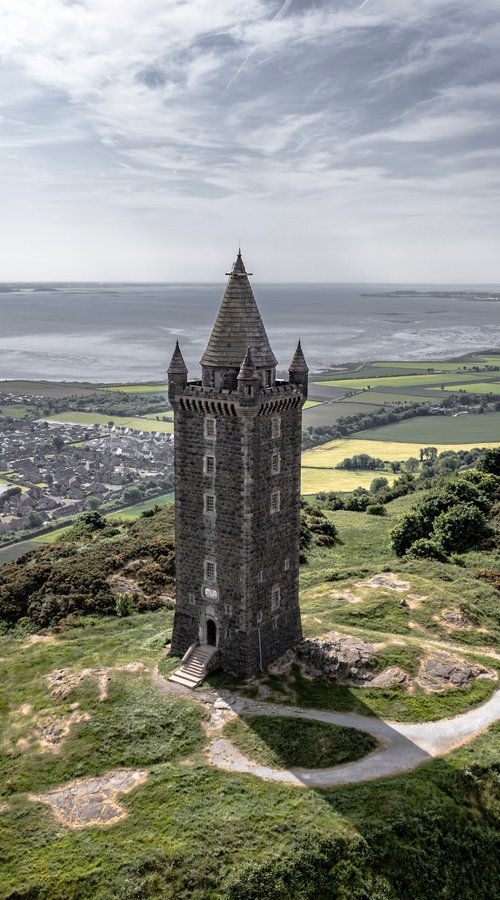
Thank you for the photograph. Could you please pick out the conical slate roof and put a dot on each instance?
(238, 326)
(247, 369)
(177, 365)
(298, 363)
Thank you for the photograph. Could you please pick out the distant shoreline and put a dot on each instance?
(479, 296)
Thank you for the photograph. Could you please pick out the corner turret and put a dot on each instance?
(177, 372)
(299, 371)
(248, 378)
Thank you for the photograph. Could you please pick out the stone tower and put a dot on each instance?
(237, 491)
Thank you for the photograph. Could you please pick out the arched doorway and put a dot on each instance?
(211, 633)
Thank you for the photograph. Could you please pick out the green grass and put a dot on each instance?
(89, 418)
(285, 742)
(393, 704)
(135, 511)
(310, 403)
(477, 387)
(479, 430)
(402, 381)
(51, 536)
(193, 831)
(18, 411)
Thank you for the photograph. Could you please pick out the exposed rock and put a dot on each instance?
(441, 670)
(391, 677)
(283, 664)
(385, 580)
(456, 618)
(339, 656)
(92, 801)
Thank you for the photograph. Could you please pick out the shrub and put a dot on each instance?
(426, 549)
(376, 509)
(461, 527)
(407, 530)
(124, 605)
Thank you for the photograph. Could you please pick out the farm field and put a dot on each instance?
(477, 387)
(405, 380)
(88, 418)
(327, 413)
(136, 388)
(15, 412)
(453, 431)
(47, 388)
(324, 479)
(381, 398)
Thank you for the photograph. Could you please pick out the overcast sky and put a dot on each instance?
(340, 140)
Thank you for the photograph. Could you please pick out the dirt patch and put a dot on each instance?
(453, 620)
(51, 732)
(414, 601)
(346, 595)
(385, 580)
(92, 801)
(63, 681)
(38, 639)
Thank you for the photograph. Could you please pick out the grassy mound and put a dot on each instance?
(284, 742)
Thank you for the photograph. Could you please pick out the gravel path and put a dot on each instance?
(403, 746)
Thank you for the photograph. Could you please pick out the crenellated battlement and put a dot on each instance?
(196, 397)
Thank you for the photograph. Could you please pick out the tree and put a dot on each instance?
(411, 464)
(34, 519)
(461, 527)
(378, 483)
(406, 531)
(490, 461)
(58, 442)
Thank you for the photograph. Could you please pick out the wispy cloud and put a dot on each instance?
(267, 117)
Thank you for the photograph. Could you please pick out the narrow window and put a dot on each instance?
(210, 503)
(209, 464)
(210, 429)
(287, 565)
(260, 576)
(228, 609)
(191, 598)
(269, 378)
(275, 463)
(275, 597)
(275, 501)
(276, 427)
(275, 624)
(259, 617)
(210, 570)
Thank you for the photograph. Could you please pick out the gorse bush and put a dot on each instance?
(452, 518)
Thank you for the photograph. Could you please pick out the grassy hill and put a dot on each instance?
(78, 700)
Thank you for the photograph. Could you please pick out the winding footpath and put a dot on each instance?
(401, 746)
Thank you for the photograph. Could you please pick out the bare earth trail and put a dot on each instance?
(402, 746)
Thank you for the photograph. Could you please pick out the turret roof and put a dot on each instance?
(247, 369)
(298, 363)
(238, 326)
(177, 365)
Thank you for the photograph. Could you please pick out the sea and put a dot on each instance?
(113, 333)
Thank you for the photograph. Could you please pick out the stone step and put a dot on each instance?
(185, 681)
